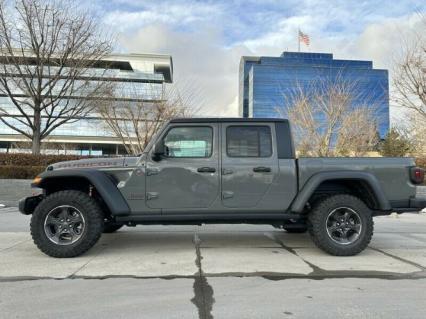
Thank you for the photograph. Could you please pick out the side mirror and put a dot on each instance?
(159, 150)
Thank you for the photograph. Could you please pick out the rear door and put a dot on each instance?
(249, 163)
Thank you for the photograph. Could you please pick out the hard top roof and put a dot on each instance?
(225, 119)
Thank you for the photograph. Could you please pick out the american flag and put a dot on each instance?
(304, 38)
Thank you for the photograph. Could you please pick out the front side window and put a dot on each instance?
(248, 141)
(189, 141)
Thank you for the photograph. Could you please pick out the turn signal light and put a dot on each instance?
(417, 175)
(36, 180)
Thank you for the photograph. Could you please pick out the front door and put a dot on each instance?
(249, 164)
(187, 176)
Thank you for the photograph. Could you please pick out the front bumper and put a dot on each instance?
(28, 204)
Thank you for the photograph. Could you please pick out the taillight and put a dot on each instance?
(417, 175)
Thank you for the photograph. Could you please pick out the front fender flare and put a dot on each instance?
(103, 184)
(315, 180)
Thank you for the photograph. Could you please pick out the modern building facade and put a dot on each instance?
(137, 77)
(266, 84)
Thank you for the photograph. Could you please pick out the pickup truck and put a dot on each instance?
(220, 170)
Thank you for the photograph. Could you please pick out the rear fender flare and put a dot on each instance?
(315, 180)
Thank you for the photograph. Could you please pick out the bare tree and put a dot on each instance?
(135, 122)
(409, 80)
(357, 134)
(413, 129)
(47, 51)
(325, 121)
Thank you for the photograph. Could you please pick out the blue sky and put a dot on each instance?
(207, 38)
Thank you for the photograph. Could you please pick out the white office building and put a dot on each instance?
(145, 73)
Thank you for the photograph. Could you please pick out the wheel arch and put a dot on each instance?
(362, 184)
(83, 180)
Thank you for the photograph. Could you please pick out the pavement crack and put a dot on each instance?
(275, 276)
(315, 269)
(86, 263)
(398, 258)
(203, 292)
(14, 245)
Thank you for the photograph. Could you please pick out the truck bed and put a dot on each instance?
(390, 172)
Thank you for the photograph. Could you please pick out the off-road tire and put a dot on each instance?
(110, 227)
(317, 224)
(94, 223)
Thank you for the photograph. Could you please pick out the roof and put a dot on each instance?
(226, 119)
(159, 63)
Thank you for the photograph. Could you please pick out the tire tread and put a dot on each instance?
(94, 224)
(320, 237)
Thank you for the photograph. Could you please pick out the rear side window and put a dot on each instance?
(248, 141)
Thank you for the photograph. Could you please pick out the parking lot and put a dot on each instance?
(198, 271)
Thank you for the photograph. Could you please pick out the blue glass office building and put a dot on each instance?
(264, 83)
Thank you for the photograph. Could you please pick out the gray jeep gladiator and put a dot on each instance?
(220, 170)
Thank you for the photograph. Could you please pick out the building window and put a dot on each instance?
(248, 141)
(191, 141)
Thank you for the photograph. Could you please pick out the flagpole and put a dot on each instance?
(298, 39)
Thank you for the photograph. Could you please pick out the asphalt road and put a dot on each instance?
(215, 271)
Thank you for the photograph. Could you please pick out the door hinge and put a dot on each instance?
(152, 171)
(226, 171)
(151, 195)
(227, 194)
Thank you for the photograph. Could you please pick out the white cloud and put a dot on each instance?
(179, 13)
(201, 63)
(207, 38)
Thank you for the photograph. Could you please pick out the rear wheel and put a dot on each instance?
(341, 225)
(66, 224)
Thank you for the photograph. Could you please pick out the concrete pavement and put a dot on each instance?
(11, 190)
(231, 297)
(398, 249)
(221, 271)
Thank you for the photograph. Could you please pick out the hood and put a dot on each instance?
(96, 163)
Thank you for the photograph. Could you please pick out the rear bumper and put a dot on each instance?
(28, 204)
(416, 204)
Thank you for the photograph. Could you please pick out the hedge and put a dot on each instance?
(19, 159)
(20, 172)
(27, 166)
(421, 162)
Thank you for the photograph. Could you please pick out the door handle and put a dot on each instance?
(206, 170)
(151, 195)
(262, 169)
(227, 194)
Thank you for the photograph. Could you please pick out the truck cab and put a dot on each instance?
(202, 166)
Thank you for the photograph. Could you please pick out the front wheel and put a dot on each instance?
(66, 224)
(341, 225)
